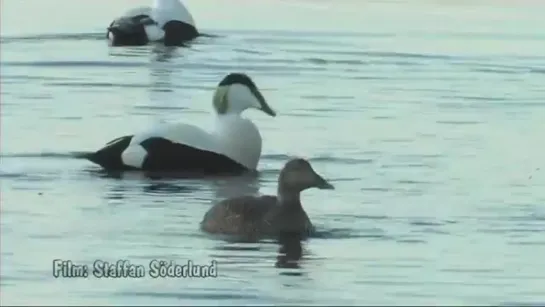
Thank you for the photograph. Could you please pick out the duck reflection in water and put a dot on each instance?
(181, 182)
(290, 251)
(164, 53)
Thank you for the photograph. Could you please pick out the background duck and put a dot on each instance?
(233, 146)
(267, 215)
(166, 20)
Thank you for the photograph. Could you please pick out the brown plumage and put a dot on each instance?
(268, 215)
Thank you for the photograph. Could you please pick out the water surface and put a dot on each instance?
(427, 116)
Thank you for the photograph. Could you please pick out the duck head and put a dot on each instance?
(298, 175)
(236, 93)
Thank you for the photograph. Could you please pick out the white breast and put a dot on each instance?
(239, 139)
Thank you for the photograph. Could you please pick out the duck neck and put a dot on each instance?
(289, 198)
(227, 122)
(229, 115)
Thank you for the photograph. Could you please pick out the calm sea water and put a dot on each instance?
(428, 116)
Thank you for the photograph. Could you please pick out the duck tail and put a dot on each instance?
(94, 157)
(102, 158)
(83, 154)
(108, 157)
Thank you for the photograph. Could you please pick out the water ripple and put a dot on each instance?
(430, 127)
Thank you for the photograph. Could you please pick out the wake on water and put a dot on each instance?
(52, 155)
(70, 37)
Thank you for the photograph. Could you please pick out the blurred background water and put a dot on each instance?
(428, 116)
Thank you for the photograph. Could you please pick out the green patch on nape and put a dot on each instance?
(221, 103)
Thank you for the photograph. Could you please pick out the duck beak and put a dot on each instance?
(323, 184)
(263, 103)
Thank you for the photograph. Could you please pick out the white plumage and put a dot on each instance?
(154, 32)
(163, 11)
(232, 136)
(160, 13)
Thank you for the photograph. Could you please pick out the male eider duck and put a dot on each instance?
(266, 216)
(233, 146)
(166, 20)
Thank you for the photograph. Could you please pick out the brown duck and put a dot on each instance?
(267, 215)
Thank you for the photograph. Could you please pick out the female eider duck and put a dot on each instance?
(166, 20)
(233, 146)
(267, 215)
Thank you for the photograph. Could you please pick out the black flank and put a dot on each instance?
(165, 155)
(177, 32)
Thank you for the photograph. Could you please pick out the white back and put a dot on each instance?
(143, 10)
(180, 133)
(236, 137)
(163, 11)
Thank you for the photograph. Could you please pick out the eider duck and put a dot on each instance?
(268, 216)
(166, 20)
(232, 147)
